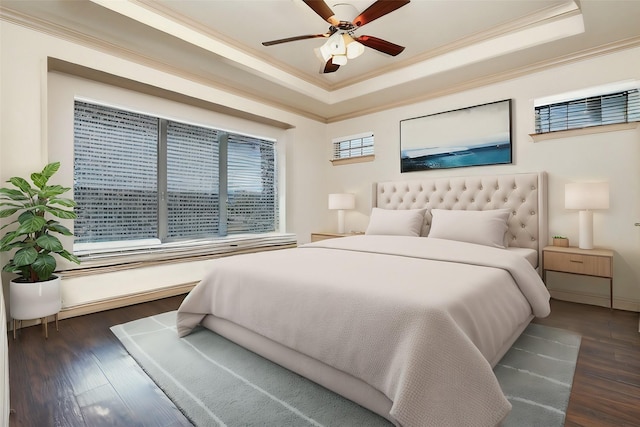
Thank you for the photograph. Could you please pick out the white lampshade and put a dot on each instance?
(586, 195)
(342, 201)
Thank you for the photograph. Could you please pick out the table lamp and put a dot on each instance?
(586, 196)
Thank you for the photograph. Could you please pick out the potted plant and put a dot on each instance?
(560, 241)
(36, 292)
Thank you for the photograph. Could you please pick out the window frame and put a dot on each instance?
(359, 140)
(107, 253)
(594, 108)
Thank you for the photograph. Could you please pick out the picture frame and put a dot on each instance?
(474, 136)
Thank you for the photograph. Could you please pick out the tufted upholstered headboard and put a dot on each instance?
(523, 194)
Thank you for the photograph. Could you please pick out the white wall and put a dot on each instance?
(5, 406)
(25, 146)
(613, 157)
(36, 128)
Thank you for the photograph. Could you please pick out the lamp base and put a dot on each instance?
(341, 221)
(585, 238)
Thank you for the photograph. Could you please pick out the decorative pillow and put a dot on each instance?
(481, 227)
(407, 222)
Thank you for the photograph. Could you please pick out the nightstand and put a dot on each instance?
(587, 262)
(316, 237)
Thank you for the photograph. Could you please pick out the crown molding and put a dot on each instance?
(549, 14)
(64, 33)
(58, 31)
(546, 15)
(62, 66)
(539, 27)
(583, 55)
(160, 9)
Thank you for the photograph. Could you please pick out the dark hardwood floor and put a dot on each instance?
(82, 376)
(606, 385)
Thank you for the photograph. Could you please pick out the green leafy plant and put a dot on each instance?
(559, 237)
(33, 237)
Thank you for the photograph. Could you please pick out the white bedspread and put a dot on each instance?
(392, 311)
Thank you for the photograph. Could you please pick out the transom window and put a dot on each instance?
(598, 110)
(141, 180)
(353, 146)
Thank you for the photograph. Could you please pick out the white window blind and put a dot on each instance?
(353, 146)
(115, 170)
(142, 179)
(599, 110)
(252, 197)
(192, 181)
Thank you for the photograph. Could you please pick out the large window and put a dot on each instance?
(599, 110)
(142, 180)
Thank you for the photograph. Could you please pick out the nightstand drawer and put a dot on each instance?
(577, 263)
(316, 237)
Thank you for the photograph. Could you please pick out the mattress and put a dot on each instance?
(531, 255)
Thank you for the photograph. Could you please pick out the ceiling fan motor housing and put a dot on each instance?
(342, 43)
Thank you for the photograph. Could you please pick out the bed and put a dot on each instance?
(406, 325)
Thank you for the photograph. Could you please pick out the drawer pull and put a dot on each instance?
(576, 260)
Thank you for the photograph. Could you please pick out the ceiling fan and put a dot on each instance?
(342, 43)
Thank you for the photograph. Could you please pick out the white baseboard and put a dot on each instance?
(125, 300)
(116, 302)
(618, 304)
(599, 300)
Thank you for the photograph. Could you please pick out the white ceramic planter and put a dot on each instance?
(34, 300)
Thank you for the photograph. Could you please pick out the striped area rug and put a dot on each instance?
(536, 376)
(216, 382)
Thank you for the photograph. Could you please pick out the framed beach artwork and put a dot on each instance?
(472, 136)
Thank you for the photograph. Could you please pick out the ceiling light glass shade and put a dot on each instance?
(354, 49)
(333, 46)
(324, 53)
(321, 55)
(339, 59)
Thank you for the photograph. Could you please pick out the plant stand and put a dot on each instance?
(43, 320)
(35, 301)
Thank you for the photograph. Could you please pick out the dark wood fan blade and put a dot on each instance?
(293, 39)
(378, 9)
(330, 67)
(321, 8)
(380, 45)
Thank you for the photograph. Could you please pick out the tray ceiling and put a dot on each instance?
(449, 45)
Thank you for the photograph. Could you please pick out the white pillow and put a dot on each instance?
(407, 222)
(481, 227)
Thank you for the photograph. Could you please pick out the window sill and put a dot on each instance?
(349, 160)
(537, 137)
(125, 259)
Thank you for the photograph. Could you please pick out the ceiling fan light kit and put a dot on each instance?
(338, 48)
(342, 44)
